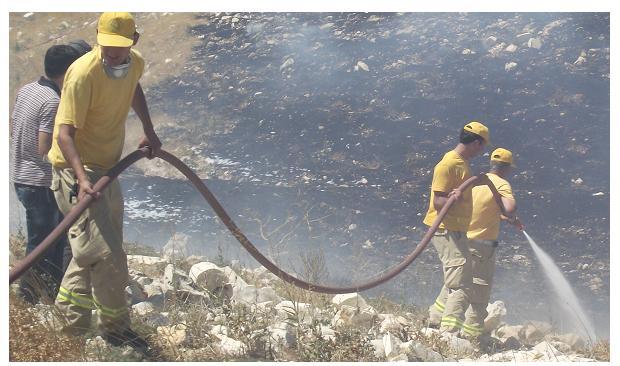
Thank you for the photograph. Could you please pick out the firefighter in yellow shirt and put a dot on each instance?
(99, 89)
(450, 238)
(482, 237)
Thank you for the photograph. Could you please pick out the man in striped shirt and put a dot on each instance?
(32, 124)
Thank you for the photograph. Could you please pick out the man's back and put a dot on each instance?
(34, 111)
(486, 213)
(449, 173)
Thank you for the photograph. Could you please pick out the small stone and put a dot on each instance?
(362, 65)
(534, 43)
(511, 48)
(288, 63)
(510, 65)
(143, 308)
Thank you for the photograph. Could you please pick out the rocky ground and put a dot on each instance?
(193, 309)
(343, 115)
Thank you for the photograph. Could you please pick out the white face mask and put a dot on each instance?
(117, 72)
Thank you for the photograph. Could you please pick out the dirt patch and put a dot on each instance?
(164, 42)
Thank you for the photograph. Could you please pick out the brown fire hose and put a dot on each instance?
(23, 265)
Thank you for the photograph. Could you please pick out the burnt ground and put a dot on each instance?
(342, 117)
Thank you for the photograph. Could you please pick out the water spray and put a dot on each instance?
(564, 291)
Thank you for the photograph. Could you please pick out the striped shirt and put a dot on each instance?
(35, 110)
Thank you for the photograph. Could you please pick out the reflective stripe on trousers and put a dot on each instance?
(85, 302)
(90, 303)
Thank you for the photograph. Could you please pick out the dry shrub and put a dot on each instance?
(32, 341)
(600, 350)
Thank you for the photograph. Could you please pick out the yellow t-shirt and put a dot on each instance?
(486, 213)
(97, 106)
(450, 173)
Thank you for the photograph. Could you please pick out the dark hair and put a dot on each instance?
(58, 59)
(81, 46)
(467, 137)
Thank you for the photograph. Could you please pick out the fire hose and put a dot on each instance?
(27, 262)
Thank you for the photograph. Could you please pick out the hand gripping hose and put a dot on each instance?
(23, 265)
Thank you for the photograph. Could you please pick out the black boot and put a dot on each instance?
(130, 338)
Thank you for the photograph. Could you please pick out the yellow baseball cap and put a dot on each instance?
(116, 30)
(479, 129)
(502, 155)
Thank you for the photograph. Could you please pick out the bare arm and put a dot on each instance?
(66, 142)
(45, 142)
(142, 110)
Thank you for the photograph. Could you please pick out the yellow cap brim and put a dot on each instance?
(113, 40)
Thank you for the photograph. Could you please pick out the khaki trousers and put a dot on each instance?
(97, 275)
(454, 297)
(483, 266)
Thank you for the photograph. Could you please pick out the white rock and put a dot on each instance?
(328, 333)
(524, 36)
(219, 329)
(574, 341)
(144, 280)
(489, 41)
(176, 247)
(561, 346)
(511, 48)
(534, 43)
(230, 346)
(134, 292)
(169, 278)
(428, 332)
(495, 311)
(28, 15)
(466, 51)
(174, 335)
(379, 350)
(354, 316)
(507, 331)
(252, 295)
(419, 351)
(533, 332)
(208, 276)
(547, 350)
(362, 65)
(351, 299)
(294, 311)
(460, 346)
(579, 61)
(144, 259)
(143, 308)
(510, 65)
(283, 333)
(391, 345)
(392, 323)
(289, 62)
(262, 273)
(153, 289)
